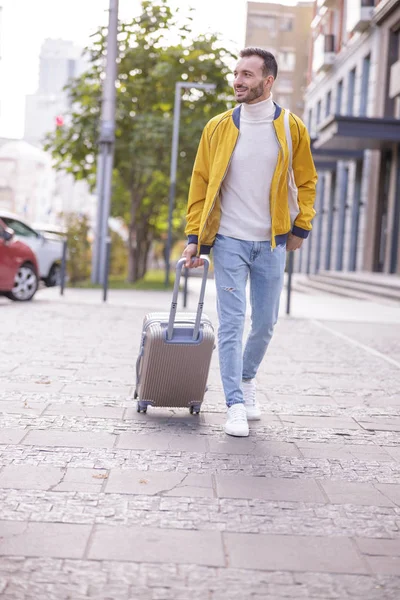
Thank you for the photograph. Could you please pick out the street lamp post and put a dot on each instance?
(106, 150)
(174, 161)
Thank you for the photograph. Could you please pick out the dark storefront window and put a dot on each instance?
(344, 183)
(382, 214)
(396, 220)
(339, 98)
(328, 104)
(350, 92)
(365, 85)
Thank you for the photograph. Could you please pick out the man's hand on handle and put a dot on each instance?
(192, 260)
(293, 242)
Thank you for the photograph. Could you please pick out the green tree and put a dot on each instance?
(79, 255)
(155, 51)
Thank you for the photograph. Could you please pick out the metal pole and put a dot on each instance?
(289, 283)
(106, 269)
(63, 267)
(106, 148)
(172, 186)
(185, 286)
(174, 161)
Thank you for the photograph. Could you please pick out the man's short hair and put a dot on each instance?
(270, 66)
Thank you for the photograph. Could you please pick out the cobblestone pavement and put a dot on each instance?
(98, 501)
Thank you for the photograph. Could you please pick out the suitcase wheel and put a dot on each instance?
(140, 407)
(195, 409)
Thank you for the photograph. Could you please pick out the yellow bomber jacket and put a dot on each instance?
(213, 158)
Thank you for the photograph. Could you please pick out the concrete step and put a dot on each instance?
(348, 289)
(376, 287)
(381, 280)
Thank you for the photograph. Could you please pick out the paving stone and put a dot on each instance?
(381, 424)
(69, 438)
(99, 412)
(100, 373)
(346, 451)
(303, 399)
(293, 553)
(384, 565)
(147, 544)
(249, 446)
(268, 488)
(42, 387)
(43, 539)
(320, 422)
(25, 477)
(102, 389)
(379, 547)
(11, 436)
(22, 407)
(394, 451)
(163, 441)
(390, 490)
(126, 481)
(343, 492)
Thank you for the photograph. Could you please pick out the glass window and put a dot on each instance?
(339, 97)
(263, 22)
(365, 85)
(319, 106)
(286, 24)
(286, 60)
(19, 228)
(350, 92)
(328, 105)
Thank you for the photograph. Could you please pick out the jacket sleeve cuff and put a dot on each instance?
(193, 239)
(299, 232)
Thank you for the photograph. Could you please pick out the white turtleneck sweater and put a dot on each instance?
(245, 192)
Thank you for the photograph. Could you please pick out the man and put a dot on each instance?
(238, 204)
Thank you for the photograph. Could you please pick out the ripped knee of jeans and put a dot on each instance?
(228, 289)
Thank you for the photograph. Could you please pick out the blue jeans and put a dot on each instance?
(234, 261)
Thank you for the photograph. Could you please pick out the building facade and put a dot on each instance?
(284, 31)
(60, 60)
(352, 109)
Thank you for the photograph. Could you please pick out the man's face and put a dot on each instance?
(250, 84)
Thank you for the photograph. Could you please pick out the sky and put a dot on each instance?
(25, 24)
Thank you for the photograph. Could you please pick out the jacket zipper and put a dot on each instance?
(218, 190)
(279, 178)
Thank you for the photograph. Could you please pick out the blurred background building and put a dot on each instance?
(59, 61)
(29, 186)
(352, 109)
(284, 31)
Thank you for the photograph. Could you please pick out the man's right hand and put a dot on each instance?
(192, 260)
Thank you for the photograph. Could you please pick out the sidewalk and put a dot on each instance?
(98, 501)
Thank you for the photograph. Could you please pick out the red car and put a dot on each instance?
(19, 277)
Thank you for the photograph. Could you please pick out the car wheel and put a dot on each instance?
(54, 276)
(25, 285)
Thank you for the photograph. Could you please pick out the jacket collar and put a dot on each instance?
(236, 114)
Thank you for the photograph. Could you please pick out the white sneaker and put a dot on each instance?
(250, 401)
(236, 423)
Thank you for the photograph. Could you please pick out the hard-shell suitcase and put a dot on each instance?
(175, 354)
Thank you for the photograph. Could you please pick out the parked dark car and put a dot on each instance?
(19, 273)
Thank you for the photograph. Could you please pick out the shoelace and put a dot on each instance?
(237, 413)
(251, 396)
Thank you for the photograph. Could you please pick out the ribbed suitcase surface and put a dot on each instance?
(172, 368)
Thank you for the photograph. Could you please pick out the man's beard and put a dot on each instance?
(252, 93)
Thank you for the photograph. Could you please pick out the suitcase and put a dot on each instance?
(175, 354)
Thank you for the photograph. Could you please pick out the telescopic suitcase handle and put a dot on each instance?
(174, 303)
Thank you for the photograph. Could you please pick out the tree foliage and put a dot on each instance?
(156, 50)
